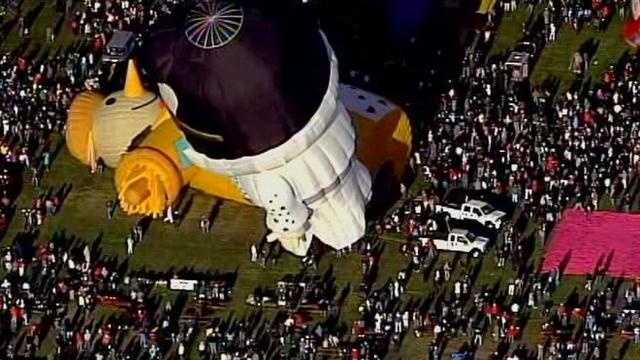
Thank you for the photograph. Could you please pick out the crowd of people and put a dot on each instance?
(54, 289)
(497, 137)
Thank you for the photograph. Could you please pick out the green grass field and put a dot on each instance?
(236, 227)
(555, 58)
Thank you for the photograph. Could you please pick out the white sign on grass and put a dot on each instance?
(182, 284)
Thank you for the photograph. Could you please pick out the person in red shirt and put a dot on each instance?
(609, 76)
(107, 335)
(355, 353)
(513, 333)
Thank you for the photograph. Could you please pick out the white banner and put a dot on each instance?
(181, 284)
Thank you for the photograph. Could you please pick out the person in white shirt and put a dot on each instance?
(169, 218)
(129, 245)
(254, 253)
(437, 330)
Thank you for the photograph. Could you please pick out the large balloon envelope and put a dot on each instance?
(252, 75)
(251, 111)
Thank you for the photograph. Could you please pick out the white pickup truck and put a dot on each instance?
(477, 210)
(458, 240)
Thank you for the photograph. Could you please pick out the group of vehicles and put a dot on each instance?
(465, 239)
(310, 293)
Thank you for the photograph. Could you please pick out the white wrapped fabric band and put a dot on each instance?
(313, 184)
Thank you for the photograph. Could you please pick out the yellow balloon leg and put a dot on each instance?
(147, 182)
(80, 125)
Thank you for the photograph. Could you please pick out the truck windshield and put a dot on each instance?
(487, 209)
(117, 51)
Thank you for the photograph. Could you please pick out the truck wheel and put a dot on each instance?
(475, 253)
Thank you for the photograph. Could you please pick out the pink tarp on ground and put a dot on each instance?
(582, 244)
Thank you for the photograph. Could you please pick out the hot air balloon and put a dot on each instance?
(248, 107)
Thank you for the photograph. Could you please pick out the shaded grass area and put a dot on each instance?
(555, 58)
(38, 17)
(509, 31)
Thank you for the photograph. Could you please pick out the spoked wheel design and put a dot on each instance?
(213, 24)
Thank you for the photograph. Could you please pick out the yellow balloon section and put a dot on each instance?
(137, 135)
(80, 125)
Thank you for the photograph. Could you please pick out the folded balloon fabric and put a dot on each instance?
(601, 241)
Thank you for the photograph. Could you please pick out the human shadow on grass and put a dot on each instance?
(144, 223)
(474, 271)
(9, 215)
(32, 15)
(425, 303)
(564, 263)
(385, 190)
(573, 300)
(215, 211)
(496, 294)
(634, 194)
(6, 28)
(624, 349)
(340, 301)
(426, 271)
(329, 278)
(56, 151)
(22, 49)
(183, 210)
(588, 50)
(63, 192)
(551, 84)
(369, 278)
(616, 285)
(604, 25)
(525, 267)
(609, 261)
(58, 26)
(24, 244)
